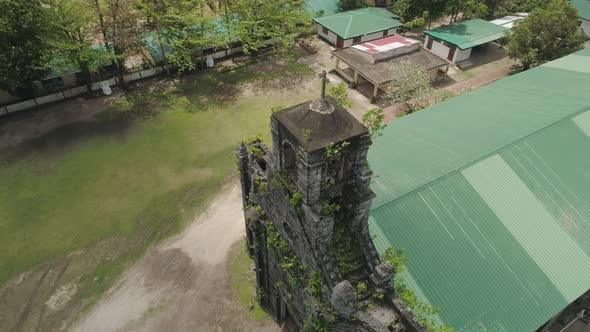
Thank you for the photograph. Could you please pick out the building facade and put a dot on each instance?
(306, 204)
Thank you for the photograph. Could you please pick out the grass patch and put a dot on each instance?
(140, 171)
(243, 281)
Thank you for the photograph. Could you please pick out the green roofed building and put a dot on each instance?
(357, 26)
(489, 193)
(583, 7)
(453, 42)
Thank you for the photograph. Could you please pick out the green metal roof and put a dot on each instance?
(469, 33)
(329, 7)
(583, 7)
(489, 193)
(359, 22)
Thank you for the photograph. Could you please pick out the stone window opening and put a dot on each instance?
(288, 231)
(288, 158)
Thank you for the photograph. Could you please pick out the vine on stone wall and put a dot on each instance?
(423, 311)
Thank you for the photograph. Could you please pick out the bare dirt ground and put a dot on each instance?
(183, 283)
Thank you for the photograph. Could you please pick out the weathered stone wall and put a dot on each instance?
(291, 215)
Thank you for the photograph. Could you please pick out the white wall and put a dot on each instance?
(372, 36)
(439, 49)
(586, 27)
(330, 36)
(369, 37)
(461, 55)
(391, 32)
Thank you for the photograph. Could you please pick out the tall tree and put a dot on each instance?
(122, 27)
(256, 22)
(154, 10)
(466, 8)
(74, 35)
(25, 50)
(415, 13)
(185, 26)
(546, 34)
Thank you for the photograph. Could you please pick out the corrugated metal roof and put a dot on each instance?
(469, 33)
(583, 7)
(490, 195)
(359, 22)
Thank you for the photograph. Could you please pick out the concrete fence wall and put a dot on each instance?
(78, 90)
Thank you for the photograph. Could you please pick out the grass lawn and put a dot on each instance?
(141, 178)
(243, 281)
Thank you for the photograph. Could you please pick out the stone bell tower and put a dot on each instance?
(307, 204)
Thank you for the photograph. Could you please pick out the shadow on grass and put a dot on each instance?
(65, 137)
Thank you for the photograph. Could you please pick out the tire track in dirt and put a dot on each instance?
(27, 310)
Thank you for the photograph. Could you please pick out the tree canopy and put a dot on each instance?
(546, 34)
(255, 22)
(38, 34)
(73, 36)
(411, 85)
(345, 5)
(25, 49)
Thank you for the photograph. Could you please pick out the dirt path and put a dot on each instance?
(183, 283)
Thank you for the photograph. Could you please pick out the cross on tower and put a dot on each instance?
(323, 76)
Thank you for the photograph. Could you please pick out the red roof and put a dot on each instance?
(385, 44)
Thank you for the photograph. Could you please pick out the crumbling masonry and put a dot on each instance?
(307, 204)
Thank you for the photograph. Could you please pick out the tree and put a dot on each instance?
(74, 35)
(25, 50)
(411, 85)
(257, 22)
(374, 121)
(415, 13)
(467, 9)
(345, 5)
(527, 6)
(546, 34)
(183, 26)
(340, 94)
(493, 6)
(121, 26)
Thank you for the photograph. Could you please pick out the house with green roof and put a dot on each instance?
(357, 26)
(454, 42)
(583, 7)
(489, 194)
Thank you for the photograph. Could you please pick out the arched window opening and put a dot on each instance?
(288, 156)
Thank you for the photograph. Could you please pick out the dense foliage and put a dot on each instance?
(92, 33)
(411, 85)
(546, 34)
(417, 13)
(25, 49)
(351, 4)
(255, 22)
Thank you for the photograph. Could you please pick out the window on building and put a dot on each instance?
(325, 30)
(385, 33)
(356, 40)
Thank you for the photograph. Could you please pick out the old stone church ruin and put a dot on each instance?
(307, 204)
